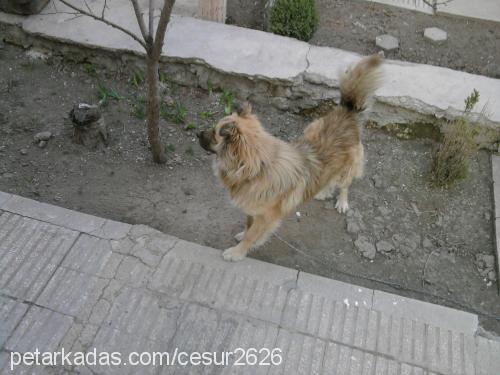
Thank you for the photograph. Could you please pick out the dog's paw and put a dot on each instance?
(342, 206)
(234, 254)
(322, 196)
(238, 237)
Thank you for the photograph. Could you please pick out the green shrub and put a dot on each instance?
(294, 18)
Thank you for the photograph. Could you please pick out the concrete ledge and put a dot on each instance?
(4, 197)
(267, 68)
(495, 172)
(436, 315)
(53, 214)
(252, 268)
(349, 294)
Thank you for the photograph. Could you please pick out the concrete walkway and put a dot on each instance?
(74, 281)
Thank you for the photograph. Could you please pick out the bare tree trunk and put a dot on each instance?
(213, 10)
(157, 147)
(152, 42)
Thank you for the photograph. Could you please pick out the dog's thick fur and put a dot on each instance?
(268, 178)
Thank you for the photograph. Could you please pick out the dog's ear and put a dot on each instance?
(228, 131)
(243, 110)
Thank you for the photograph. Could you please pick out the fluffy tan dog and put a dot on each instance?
(268, 178)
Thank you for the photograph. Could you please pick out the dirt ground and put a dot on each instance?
(472, 45)
(430, 239)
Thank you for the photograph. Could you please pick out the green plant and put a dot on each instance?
(206, 115)
(175, 112)
(191, 126)
(451, 159)
(294, 18)
(139, 108)
(137, 79)
(210, 86)
(227, 99)
(170, 147)
(163, 77)
(105, 93)
(90, 69)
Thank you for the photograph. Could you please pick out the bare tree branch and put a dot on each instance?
(104, 8)
(162, 28)
(140, 20)
(107, 22)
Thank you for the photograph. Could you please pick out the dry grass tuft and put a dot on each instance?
(451, 160)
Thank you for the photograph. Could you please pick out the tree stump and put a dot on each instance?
(89, 127)
(212, 10)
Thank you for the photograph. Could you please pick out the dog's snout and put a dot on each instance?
(205, 138)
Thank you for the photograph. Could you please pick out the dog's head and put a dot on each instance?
(230, 131)
(238, 140)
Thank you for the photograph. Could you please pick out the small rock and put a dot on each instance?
(365, 247)
(352, 227)
(415, 209)
(435, 35)
(23, 151)
(42, 144)
(492, 276)
(377, 181)
(384, 246)
(387, 42)
(426, 243)
(42, 136)
(384, 210)
(489, 261)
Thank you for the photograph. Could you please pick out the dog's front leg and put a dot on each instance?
(260, 229)
(239, 237)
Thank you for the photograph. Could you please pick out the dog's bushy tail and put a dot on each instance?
(358, 83)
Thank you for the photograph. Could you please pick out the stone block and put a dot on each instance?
(435, 35)
(387, 42)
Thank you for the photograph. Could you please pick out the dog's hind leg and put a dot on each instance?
(262, 227)
(326, 193)
(239, 237)
(356, 171)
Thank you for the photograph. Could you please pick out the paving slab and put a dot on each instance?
(30, 252)
(11, 313)
(40, 328)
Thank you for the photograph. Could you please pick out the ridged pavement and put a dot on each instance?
(80, 282)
